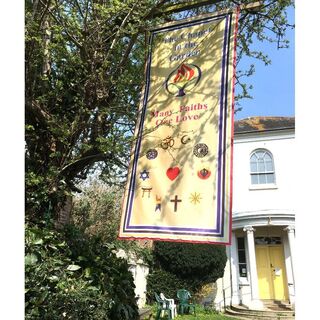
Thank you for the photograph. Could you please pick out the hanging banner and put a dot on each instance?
(179, 184)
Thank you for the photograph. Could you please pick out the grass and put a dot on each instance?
(201, 314)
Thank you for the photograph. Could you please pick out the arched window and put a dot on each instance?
(262, 167)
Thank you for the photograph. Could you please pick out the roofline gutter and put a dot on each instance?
(263, 131)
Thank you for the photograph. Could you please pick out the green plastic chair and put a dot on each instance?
(185, 305)
(162, 305)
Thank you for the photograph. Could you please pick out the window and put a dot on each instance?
(261, 167)
(242, 258)
(267, 240)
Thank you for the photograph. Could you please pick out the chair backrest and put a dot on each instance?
(183, 295)
(162, 297)
(158, 299)
(162, 303)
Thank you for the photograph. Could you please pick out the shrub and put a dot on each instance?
(203, 262)
(165, 282)
(184, 265)
(72, 276)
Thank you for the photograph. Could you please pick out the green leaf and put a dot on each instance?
(93, 288)
(30, 259)
(87, 272)
(37, 241)
(53, 278)
(73, 267)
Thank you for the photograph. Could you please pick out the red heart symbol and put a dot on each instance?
(172, 173)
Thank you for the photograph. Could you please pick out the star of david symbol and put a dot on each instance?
(144, 175)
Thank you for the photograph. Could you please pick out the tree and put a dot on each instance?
(84, 72)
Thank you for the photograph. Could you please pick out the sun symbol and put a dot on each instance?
(195, 198)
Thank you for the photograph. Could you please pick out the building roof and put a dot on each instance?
(259, 124)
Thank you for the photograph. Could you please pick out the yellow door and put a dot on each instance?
(272, 278)
(264, 272)
(278, 273)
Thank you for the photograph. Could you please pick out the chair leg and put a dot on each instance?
(158, 314)
(174, 312)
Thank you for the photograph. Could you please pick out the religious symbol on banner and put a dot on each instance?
(144, 175)
(200, 150)
(144, 190)
(175, 200)
(183, 79)
(167, 142)
(195, 198)
(158, 203)
(204, 173)
(185, 139)
(152, 154)
(172, 173)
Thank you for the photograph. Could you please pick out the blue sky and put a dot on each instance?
(273, 85)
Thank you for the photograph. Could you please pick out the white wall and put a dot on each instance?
(252, 205)
(245, 198)
(140, 271)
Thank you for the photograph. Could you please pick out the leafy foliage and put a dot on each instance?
(97, 212)
(165, 282)
(71, 276)
(189, 260)
(84, 69)
(185, 265)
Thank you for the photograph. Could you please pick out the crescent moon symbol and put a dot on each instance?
(185, 139)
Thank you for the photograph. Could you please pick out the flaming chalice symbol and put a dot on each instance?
(183, 79)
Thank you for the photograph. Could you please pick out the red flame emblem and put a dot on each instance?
(183, 79)
(184, 73)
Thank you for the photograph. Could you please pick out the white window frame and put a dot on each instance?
(259, 186)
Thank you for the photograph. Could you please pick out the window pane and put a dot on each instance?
(242, 256)
(260, 240)
(270, 177)
(254, 179)
(269, 165)
(267, 157)
(262, 179)
(253, 167)
(260, 154)
(261, 167)
(275, 240)
(240, 243)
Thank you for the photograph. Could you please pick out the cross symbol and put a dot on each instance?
(175, 200)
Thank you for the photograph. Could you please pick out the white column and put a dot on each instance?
(255, 302)
(291, 238)
(290, 231)
(234, 270)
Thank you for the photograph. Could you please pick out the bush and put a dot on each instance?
(184, 265)
(203, 262)
(72, 276)
(97, 212)
(165, 282)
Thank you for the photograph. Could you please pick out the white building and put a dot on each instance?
(260, 263)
